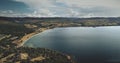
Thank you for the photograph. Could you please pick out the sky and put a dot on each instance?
(60, 8)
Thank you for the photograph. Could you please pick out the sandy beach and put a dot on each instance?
(28, 36)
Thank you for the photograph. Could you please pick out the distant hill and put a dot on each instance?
(57, 18)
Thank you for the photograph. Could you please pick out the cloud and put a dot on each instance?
(72, 3)
(11, 13)
(91, 3)
(8, 13)
(37, 4)
(42, 13)
(73, 8)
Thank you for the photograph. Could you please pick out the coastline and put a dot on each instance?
(22, 40)
(26, 37)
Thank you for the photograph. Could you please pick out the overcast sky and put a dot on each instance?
(60, 8)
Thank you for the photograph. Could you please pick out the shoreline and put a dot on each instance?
(26, 37)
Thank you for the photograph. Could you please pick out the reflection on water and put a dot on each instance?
(86, 44)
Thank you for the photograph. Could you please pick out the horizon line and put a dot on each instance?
(58, 17)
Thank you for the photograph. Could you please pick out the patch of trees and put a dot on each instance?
(49, 55)
(14, 29)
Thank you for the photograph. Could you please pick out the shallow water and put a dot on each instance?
(86, 44)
